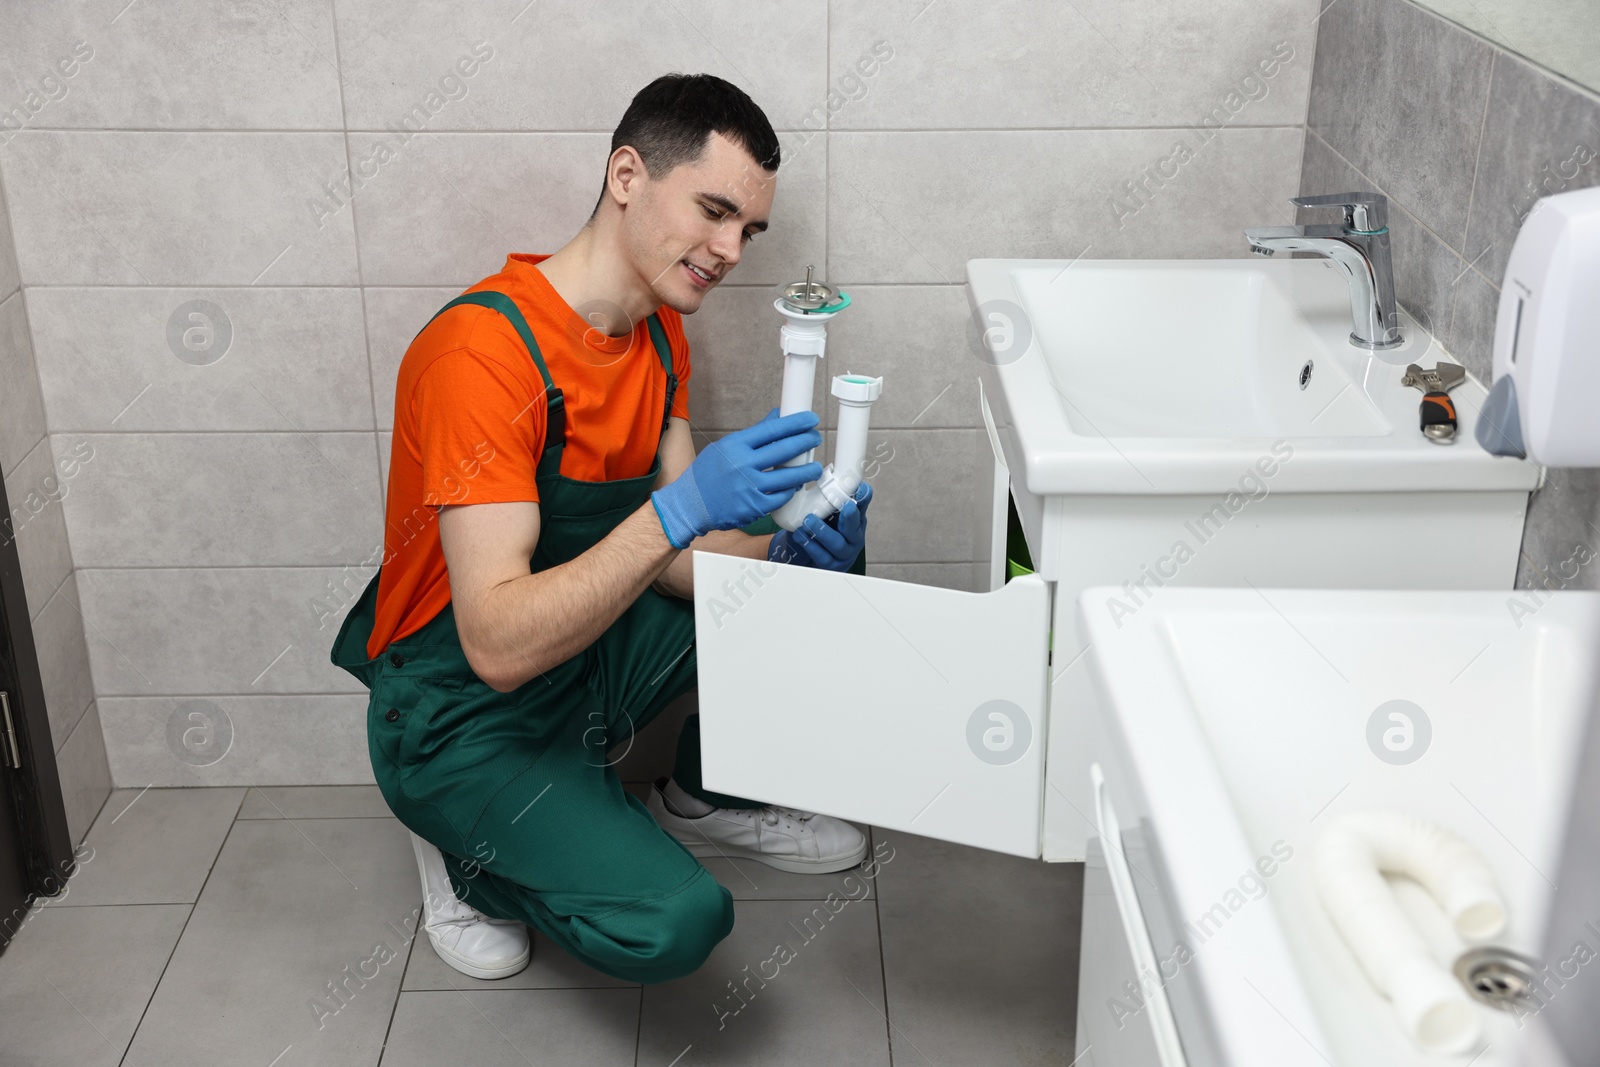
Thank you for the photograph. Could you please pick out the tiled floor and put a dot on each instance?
(209, 926)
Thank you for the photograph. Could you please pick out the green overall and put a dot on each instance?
(515, 788)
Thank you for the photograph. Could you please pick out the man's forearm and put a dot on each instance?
(549, 616)
(678, 578)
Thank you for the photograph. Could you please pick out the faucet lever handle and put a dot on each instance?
(1363, 212)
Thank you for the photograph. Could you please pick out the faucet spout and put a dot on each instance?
(1360, 248)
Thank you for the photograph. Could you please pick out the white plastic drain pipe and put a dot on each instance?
(843, 476)
(803, 339)
(806, 308)
(1348, 862)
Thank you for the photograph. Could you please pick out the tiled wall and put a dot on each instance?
(197, 153)
(37, 481)
(1462, 137)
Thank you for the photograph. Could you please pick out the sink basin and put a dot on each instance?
(1139, 376)
(1233, 722)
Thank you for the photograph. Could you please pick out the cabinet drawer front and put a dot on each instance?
(906, 706)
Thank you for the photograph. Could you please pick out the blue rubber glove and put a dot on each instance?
(730, 485)
(832, 545)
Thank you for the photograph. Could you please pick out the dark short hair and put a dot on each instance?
(670, 121)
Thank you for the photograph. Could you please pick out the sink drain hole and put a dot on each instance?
(1305, 374)
(1499, 977)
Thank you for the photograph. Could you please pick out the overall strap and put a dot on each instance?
(555, 436)
(658, 336)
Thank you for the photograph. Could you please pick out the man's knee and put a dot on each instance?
(682, 929)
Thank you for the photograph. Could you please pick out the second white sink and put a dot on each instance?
(1234, 722)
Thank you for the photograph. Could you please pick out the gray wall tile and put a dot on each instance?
(22, 419)
(1047, 194)
(447, 208)
(119, 208)
(291, 740)
(1019, 63)
(931, 497)
(916, 338)
(185, 66)
(1540, 136)
(85, 776)
(38, 522)
(1400, 93)
(385, 452)
(1471, 337)
(63, 661)
(256, 359)
(10, 280)
(540, 70)
(1559, 35)
(243, 499)
(970, 577)
(221, 630)
(1428, 274)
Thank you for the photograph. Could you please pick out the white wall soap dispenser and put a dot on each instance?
(1547, 339)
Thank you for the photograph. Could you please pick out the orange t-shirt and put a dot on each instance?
(469, 423)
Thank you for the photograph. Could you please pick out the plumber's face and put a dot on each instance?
(703, 213)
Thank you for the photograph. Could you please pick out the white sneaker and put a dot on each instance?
(464, 937)
(801, 842)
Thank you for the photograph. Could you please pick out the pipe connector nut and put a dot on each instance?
(857, 388)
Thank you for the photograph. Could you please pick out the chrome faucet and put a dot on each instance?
(1360, 247)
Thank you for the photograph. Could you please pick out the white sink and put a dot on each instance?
(1133, 376)
(1232, 721)
(1147, 421)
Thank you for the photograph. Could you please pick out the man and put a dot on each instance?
(546, 615)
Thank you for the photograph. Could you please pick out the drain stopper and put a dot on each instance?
(808, 295)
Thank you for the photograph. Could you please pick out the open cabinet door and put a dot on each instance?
(905, 706)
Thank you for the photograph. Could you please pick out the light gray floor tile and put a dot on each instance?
(552, 967)
(810, 992)
(289, 907)
(315, 802)
(75, 981)
(515, 1028)
(980, 953)
(153, 846)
